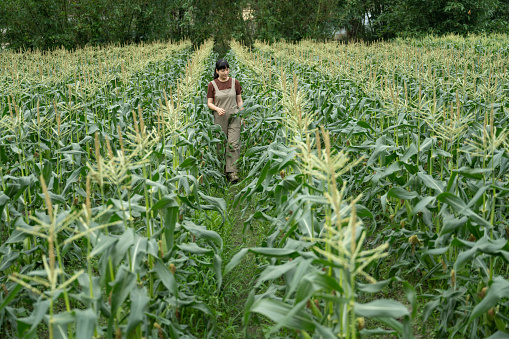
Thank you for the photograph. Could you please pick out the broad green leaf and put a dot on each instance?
(166, 276)
(411, 296)
(277, 311)
(124, 281)
(499, 335)
(383, 201)
(61, 324)
(3, 201)
(436, 251)
(429, 308)
(382, 173)
(86, 321)
(169, 222)
(89, 289)
(304, 292)
(426, 145)
(203, 233)
(47, 171)
(189, 162)
(12, 294)
(200, 306)
(273, 272)
(451, 223)
(412, 150)
(381, 308)
(379, 149)
(165, 202)
(400, 193)
(430, 182)
(125, 241)
(103, 243)
(407, 328)
(318, 199)
(306, 221)
(499, 289)
(324, 281)
(363, 212)
(452, 180)
(236, 259)
(157, 187)
(216, 204)
(218, 262)
(365, 125)
(442, 153)
(300, 281)
(484, 245)
(421, 205)
(273, 252)
(473, 173)
(480, 192)
(139, 302)
(72, 179)
(31, 322)
(374, 287)
(460, 207)
(8, 258)
(55, 198)
(138, 253)
(195, 249)
(324, 331)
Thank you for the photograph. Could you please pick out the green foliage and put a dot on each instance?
(439, 17)
(290, 20)
(49, 24)
(37, 24)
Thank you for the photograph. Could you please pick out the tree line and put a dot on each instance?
(46, 24)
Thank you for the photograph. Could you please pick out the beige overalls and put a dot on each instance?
(229, 122)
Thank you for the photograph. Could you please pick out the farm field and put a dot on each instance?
(373, 201)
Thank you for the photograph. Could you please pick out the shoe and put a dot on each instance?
(234, 178)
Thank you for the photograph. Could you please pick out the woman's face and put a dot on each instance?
(223, 73)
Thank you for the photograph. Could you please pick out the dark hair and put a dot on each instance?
(220, 64)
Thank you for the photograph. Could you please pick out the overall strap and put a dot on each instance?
(215, 85)
(233, 85)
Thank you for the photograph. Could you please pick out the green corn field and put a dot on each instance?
(373, 200)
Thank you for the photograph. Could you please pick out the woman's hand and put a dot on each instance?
(210, 104)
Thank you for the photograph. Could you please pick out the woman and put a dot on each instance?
(224, 97)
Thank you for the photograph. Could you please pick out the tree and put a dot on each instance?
(46, 24)
(291, 19)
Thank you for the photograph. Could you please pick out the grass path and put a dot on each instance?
(238, 283)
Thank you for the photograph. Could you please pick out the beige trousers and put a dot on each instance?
(231, 127)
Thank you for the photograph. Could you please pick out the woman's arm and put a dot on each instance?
(240, 102)
(210, 103)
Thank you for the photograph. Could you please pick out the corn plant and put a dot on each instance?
(373, 167)
(119, 180)
(431, 130)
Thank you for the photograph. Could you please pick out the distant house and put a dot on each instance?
(342, 33)
(247, 14)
